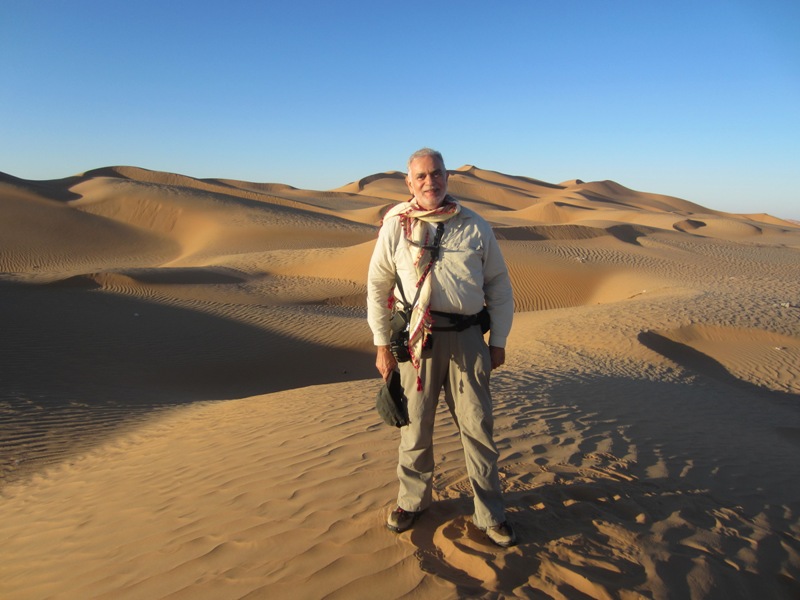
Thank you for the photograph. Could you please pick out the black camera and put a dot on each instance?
(399, 346)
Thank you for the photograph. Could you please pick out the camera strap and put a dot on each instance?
(434, 250)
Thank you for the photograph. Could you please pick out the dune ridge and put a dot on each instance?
(187, 388)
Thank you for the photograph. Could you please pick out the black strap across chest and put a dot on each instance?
(434, 252)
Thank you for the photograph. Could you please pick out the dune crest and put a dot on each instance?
(187, 390)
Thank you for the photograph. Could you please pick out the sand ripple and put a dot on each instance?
(187, 389)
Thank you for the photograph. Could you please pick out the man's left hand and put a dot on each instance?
(498, 356)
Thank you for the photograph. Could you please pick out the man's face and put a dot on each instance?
(427, 180)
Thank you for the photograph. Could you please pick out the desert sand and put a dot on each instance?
(188, 384)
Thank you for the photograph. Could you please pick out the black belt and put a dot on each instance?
(457, 322)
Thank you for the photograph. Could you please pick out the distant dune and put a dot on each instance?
(187, 396)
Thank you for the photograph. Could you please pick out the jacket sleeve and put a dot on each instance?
(497, 291)
(380, 284)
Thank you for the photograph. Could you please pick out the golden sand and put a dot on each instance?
(187, 396)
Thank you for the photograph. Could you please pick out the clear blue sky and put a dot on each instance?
(698, 99)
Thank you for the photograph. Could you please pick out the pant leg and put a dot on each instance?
(468, 382)
(415, 455)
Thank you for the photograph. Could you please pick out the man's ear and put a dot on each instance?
(408, 184)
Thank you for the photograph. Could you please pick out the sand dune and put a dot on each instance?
(186, 398)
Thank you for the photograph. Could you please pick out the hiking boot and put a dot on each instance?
(501, 534)
(401, 520)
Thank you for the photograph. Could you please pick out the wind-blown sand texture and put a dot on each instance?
(187, 397)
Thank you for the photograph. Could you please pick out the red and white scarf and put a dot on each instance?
(412, 219)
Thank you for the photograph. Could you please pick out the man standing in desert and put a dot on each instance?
(442, 259)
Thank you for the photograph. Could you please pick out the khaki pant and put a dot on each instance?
(459, 362)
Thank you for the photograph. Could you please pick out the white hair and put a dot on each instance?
(421, 153)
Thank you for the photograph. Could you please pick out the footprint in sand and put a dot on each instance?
(456, 550)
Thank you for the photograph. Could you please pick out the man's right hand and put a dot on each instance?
(385, 362)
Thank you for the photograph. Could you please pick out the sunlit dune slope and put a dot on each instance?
(187, 389)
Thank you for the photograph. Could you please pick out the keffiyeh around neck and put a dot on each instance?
(412, 220)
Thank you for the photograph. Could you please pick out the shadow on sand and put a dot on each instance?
(649, 497)
(78, 364)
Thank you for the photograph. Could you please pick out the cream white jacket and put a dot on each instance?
(469, 274)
